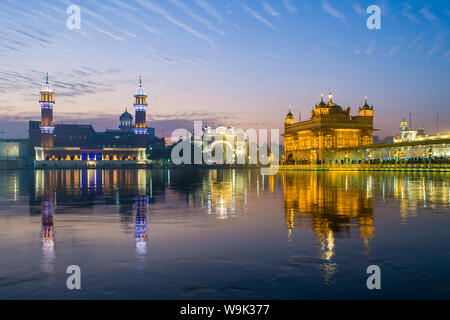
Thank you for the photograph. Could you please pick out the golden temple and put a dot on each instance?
(331, 127)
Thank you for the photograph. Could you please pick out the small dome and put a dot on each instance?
(126, 116)
(366, 105)
(321, 104)
(289, 118)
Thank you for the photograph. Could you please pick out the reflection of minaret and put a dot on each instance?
(48, 210)
(140, 203)
(141, 224)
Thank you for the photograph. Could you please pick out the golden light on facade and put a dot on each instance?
(330, 128)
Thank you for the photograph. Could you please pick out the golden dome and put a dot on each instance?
(289, 118)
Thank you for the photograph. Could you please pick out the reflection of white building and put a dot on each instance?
(228, 144)
(225, 193)
(140, 207)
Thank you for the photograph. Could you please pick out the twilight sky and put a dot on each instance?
(232, 62)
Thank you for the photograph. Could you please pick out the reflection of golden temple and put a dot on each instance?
(335, 203)
(332, 202)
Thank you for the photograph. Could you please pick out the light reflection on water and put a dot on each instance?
(223, 233)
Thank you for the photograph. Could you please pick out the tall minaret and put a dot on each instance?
(47, 101)
(140, 108)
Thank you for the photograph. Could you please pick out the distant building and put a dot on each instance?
(73, 144)
(14, 153)
(408, 134)
(329, 129)
(13, 149)
(233, 144)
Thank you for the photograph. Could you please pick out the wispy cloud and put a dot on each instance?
(210, 10)
(371, 47)
(187, 10)
(289, 6)
(439, 41)
(406, 12)
(258, 17)
(31, 36)
(432, 51)
(237, 26)
(152, 29)
(333, 11)
(103, 20)
(122, 10)
(160, 11)
(416, 41)
(270, 10)
(358, 9)
(105, 32)
(163, 57)
(190, 61)
(82, 81)
(427, 14)
(394, 50)
(167, 60)
(446, 55)
(124, 5)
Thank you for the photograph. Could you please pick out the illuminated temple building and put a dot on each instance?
(73, 145)
(330, 128)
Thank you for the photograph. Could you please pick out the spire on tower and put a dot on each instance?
(47, 87)
(140, 91)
